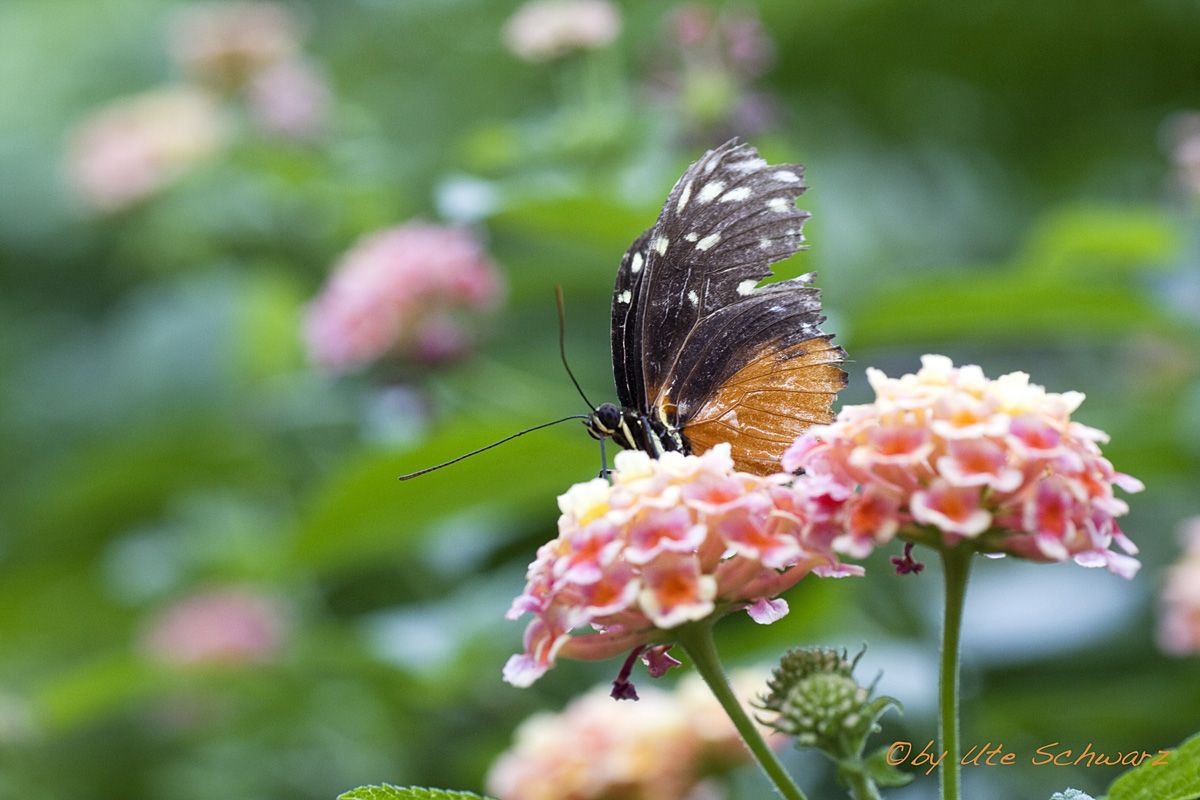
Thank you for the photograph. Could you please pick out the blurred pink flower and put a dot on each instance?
(218, 626)
(130, 149)
(542, 30)
(226, 44)
(670, 541)
(662, 747)
(691, 24)
(1184, 136)
(707, 67)
(951, 451)
(1179, 626)
(397, 292)
(732, 40)
(290, 99)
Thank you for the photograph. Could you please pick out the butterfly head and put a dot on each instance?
(604, 421)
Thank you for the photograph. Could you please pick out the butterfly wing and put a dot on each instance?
(761, 387)
(626, 329)
(701, 346)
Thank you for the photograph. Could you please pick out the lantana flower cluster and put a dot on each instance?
(951, 451)
(225, 44)
(401, 292)
(225, 625)
(253, 51)
(1179, 627)
(543, 30)
(234, 57)
(1184, 136)
(669, 541)
(662, 747)
(707, 66)
(136, 146)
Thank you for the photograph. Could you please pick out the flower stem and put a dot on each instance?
(697, 640)
(862, 787)
(956, 569)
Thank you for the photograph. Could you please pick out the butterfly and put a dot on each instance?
(702, 353)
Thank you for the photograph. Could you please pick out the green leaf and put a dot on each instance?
(94, 689)
(387, 792)
(1085, 243)
(1177, 779)
(881, 772)
(609, 224)
(999, 308)
(364, 512)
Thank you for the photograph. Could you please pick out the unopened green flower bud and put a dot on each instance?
(819, 703)
(798, 664)
(829, 711)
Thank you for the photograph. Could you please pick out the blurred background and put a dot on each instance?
(258, 260)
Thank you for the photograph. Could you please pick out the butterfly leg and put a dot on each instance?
(651, 438)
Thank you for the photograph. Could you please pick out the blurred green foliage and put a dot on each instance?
(988, 181)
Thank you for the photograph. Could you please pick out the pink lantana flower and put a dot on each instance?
(1183, 134)
(225, 44)
(401, 292)
(229, 625)
(543, 30)
(666, 746)
(951, 454)
(291, 100)
(136, 146)
(669, 541)
(1179, 626)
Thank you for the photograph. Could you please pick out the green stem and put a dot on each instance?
(956, 569)
(861, 787)
(697, 640)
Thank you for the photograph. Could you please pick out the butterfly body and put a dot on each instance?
(701, 352)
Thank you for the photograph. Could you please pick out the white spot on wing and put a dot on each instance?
(710, 191)
(708, 241)
(683, 198)
(691, 236)
(780, 204)
(635, 266)
(710, 166)
(764, 243)
(746, 287)
(693, 297)
(749, 165)
(624, 297)
(787, 176)
(660, 245)
(733, 195)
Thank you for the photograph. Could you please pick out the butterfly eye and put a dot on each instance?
(608, 416)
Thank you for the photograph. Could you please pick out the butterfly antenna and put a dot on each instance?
(562, 344)
(490, 446)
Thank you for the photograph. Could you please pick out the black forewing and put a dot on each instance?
(725, 222)
(626, 332)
